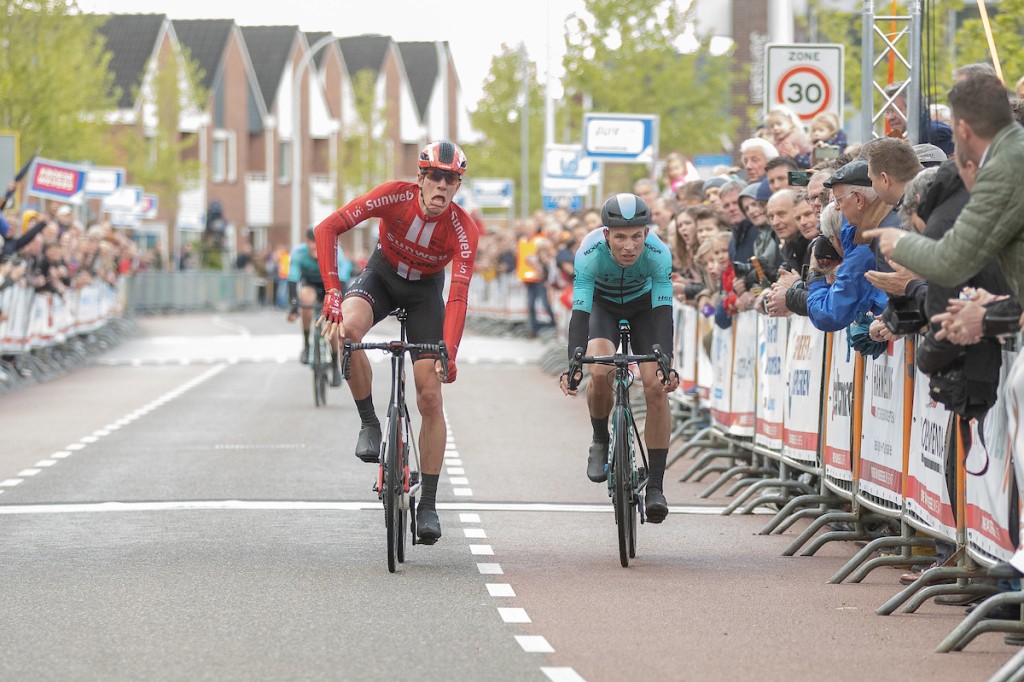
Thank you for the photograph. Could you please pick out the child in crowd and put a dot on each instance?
(788, 135)
(678, 170)
(825, 132)
(687, 275)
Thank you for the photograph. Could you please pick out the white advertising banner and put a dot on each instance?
(839, 402)
(686, 346)
(744, 379)
(771, 384)
(1013, 395)
(805, 354)
(882, 443)
(721, 386)
(928, 498)
(705, 370)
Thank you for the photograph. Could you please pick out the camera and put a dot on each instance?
(824, 252)
(799, 178)
(903, 315)
(742, 269)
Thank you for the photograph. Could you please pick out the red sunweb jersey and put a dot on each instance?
(413, 244)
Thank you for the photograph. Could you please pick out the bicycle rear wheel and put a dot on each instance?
(619, 471)
(392, 491)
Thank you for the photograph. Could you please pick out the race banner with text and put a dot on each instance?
(686, 346)
(57, 180)
(839, 408)
(705, 370)
(744, 380)
(1013, 394)
(882, 441)
(721, 387)
(928, 499)
(805, 354)
(771, 384)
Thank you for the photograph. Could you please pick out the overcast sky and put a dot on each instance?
(474, 29)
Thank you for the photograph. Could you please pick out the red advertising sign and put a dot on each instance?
(57, 180)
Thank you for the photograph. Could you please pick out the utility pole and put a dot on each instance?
(524, 126)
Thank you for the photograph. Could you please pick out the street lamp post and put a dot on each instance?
(297, 176)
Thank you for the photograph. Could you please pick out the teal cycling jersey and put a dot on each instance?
(599, 276)
(306, 269)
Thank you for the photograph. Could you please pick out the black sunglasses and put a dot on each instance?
(437, 175)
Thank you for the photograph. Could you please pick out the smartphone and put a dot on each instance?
(829, 151)
(799, 178)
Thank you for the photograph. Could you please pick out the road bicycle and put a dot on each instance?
(398, 478)
(319, 359)
(627, 479)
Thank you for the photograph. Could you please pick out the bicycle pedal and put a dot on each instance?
(414, 478)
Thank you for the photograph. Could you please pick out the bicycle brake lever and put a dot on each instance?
(346, 357)
(574, 368)
(443, 352)
(662, 363)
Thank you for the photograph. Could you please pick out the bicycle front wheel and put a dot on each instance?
(621, 488)
(392, 492)
(319, 373)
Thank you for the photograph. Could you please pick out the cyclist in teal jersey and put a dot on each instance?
(623, 272)
(304, 271)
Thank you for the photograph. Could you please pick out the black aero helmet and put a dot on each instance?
(625, 210)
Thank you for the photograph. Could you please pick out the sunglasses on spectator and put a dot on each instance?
(437, 175)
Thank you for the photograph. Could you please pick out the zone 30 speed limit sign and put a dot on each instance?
(807, 79)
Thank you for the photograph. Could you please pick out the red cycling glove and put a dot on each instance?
(451, 371)
(332, 307)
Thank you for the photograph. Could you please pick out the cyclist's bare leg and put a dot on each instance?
(433, 432)
(307, 296)
(657, 426)
(599, 390)
(358, 317)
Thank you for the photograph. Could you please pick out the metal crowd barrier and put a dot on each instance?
(47, 334)
(857, 445)
(191, 291)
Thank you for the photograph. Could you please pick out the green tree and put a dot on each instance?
(1007, 22)
(364, 162)
(55, 85)
(497, 118)
(623, 56)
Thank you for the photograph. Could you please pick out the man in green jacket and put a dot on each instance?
(991, 225)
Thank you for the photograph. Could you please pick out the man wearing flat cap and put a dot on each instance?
(835, 300)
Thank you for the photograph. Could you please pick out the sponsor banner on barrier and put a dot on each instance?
(771, 384)
(927, 497)
(1013, 394)
(721, 386)
(744, 380)
(988, 485)
(881, 450)
(838, 458)
(686, 346)
(705, 370)
(805, 352)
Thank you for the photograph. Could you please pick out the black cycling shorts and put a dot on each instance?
(643, 323)
(423, 300)
(318, 288)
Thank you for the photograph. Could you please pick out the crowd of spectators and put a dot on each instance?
(880, 239)
(53, 254)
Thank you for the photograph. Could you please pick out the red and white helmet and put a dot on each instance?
(443, 154)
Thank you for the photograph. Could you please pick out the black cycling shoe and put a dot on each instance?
(368, 445)
(304, 356)
(597, 462)
(428, 526)
(655, 506)
(335, 377)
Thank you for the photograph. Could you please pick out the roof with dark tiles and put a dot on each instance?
(364, 52)
(270, 48)
(131, 41)
(206, 40)
(313, 37)
(421, 68)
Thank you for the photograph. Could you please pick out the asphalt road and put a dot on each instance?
(179, 510)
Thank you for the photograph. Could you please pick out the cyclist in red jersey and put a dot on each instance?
(420, 232)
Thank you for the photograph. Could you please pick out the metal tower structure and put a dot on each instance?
(902, 46)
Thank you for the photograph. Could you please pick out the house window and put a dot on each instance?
(223, 161)
(284, 161)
